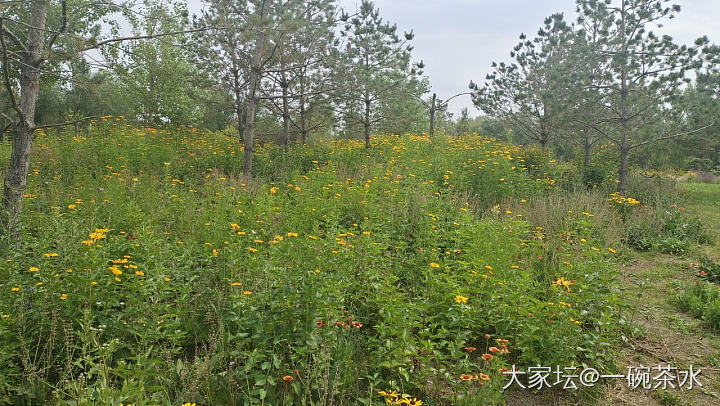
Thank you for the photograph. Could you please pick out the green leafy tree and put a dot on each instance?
(527, 92)
(640, 72)
(156, 73)
(374, 66)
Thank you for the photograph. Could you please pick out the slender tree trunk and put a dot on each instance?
(303, 112)
(622, 173)
(16, 176)
(432, 115)
(366, 122)
(588, 148)
(252, 101)
(285, 114)
(239, 108)
(624, 146)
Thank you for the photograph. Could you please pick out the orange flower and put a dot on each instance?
(288, 378)
(466, 377)
(494, 350)
(487, 357)
(470, 349)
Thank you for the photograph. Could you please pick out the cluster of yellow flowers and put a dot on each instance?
(620, 199)
(96, 235)
(394, 398)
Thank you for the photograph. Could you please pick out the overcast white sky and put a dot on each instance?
(459, 39)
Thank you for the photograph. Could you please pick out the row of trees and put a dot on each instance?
(291, 67)
(605, 78)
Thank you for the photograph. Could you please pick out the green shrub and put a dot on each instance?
(702, 300)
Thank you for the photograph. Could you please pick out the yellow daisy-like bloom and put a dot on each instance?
(612, 250)
(236, 284)
(461, 299)
(34, 269)
(562, 282)
(139, 273)
(273, 190)
(247, 292)
(434, 265)
(88, 242)
(251, 249)
(63, 296)
(291, 234)
(15, 289)
(51, 255)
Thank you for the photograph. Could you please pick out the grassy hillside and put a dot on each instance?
(151, 273)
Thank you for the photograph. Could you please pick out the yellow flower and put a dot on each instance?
(88, 242)
(63, 296)
(236, 284)
(291, 234)
(50, 255)
(461, 299)
(5, 316)
(93, 283)
(247, 292)
(215, 252)
(166, 279)
(34, 269)
(139, 273)
(273, 190)
(434, 265)
(71, 207)
(612, 250)
(562, 282)
(15, 289)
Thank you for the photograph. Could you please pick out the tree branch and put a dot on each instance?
(6, 73)
(139, 37)
(671, 136)
(64, 124)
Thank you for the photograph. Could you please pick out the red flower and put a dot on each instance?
(288, 378)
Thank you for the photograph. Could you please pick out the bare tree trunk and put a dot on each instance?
(622, 173)
(432, 115)
(239, 108)
(16, 176)
(303, 112)
(252, 101)
(366, 121)
(588, 147)
(285, 114)
(624, 146)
